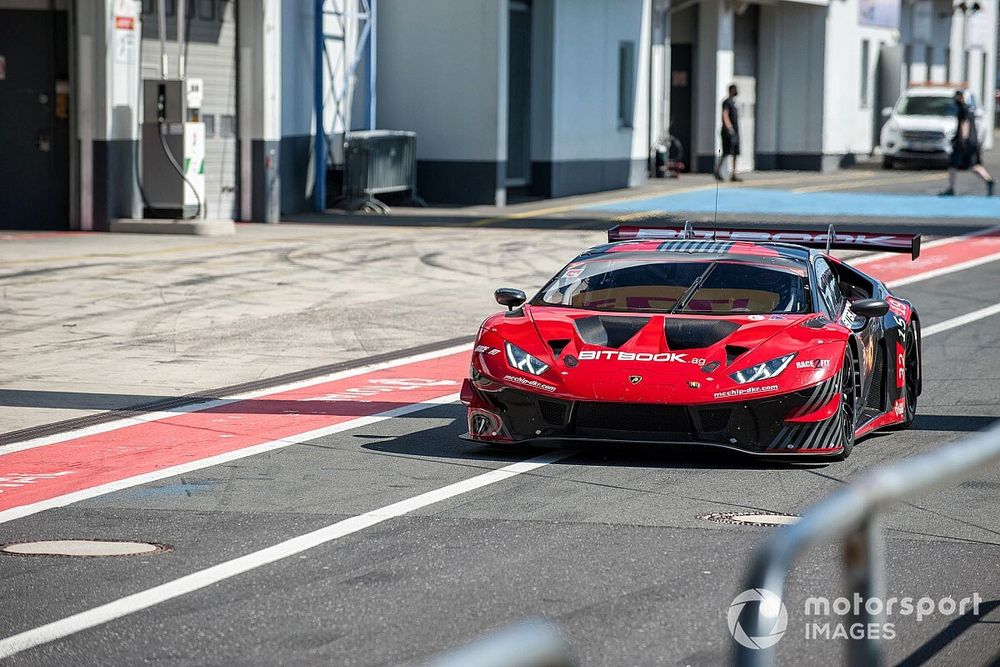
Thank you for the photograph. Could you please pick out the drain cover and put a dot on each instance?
(83, 548)
(751, 518)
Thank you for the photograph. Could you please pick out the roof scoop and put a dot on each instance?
(609, 331)
(688, 334)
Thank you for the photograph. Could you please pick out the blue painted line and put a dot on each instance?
(783, 202)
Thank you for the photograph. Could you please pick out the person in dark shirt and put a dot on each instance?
(730, 135)
(965, 148)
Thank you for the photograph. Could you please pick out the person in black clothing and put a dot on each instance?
(730, 135)
(965, 148)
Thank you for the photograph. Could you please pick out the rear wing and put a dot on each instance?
(828, 240)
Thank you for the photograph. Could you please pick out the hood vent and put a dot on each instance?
(686, 334)
(734, 351)
(609, 331)
(558, 345)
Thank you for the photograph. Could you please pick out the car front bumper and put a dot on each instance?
(761, 426)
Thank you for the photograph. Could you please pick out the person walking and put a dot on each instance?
(730, 135)
(965, 148)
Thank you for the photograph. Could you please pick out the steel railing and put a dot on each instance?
(532, 643)
(853, 514)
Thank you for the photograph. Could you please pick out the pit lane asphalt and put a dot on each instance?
(606, 543)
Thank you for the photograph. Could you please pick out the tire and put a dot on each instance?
(887, 163)
(848, 413)
(911, 390)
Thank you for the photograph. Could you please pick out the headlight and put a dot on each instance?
(764, 371)
(892, 127)
(523, 361)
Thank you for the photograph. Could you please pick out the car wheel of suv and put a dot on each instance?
(887, 163)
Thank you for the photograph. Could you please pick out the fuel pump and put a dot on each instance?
(173, 136)
(173, 152)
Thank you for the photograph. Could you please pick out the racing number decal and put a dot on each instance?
(900, 365)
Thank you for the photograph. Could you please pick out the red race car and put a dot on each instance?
(757, 341)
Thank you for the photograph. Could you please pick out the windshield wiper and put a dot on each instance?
(692, 290)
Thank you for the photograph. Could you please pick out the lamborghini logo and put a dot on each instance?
(635, 379)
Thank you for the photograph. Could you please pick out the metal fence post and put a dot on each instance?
(864, 574)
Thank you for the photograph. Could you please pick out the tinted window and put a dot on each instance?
(728, 287)
(926, 106)
(829, 289)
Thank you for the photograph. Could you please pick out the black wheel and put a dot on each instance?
(911, 353)
(848, 407)
(887, 163)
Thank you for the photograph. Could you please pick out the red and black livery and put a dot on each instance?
(757, 341)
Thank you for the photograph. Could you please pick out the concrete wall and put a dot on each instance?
(106, 96)
(849, 118)
(714, 73)
(297, 116)
(589, 151)
(442, 72)
(790, 90)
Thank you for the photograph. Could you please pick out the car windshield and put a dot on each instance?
(703, 285)
(925, 105)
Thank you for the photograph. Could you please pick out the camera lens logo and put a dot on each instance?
(772, 611)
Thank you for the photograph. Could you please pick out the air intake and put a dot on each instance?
(558, 345)
(734, 351)
(687, 334)
(609, 331)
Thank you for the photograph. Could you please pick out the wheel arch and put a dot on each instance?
(915, 318)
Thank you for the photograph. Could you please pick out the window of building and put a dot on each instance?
(227, 125)
(209, 121)
(865, 68)
(206, 10)
(626, 83)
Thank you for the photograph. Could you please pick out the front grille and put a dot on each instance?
(552, 412)
(632, 417)
(715, 419)
(923, 135)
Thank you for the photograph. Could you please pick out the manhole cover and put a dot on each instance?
(751, 518)
(83, 548)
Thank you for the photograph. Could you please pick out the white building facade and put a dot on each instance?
(814, 75)
(508, 98)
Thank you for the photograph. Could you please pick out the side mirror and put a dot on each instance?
(870, 307)
(512, 298)
(886, 112)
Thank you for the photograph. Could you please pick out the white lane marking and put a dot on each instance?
(199, 407)
(197, 580)
(128, 482)
(961, 266)
(960, 320)
(212, 575)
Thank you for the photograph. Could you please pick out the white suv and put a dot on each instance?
(921, 125)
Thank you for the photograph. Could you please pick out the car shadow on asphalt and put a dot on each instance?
(954, 423)
(445, 442)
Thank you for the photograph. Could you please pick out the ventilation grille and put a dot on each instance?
(877, 392)
(609, 331)
(686, 334)
(552, 412)
(632, 417)
(715, 419)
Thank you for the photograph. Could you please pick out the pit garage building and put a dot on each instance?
(508, 98)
